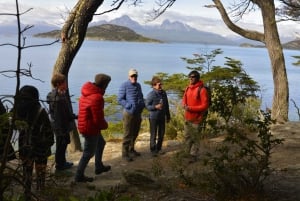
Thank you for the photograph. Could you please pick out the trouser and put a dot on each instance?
(93, 145)
(192, 135)
(40, 169)
(157, 132)
(132, 125)
(60, 152)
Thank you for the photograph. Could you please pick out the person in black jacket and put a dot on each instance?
(35, 136)
(158, 105)
(62, 119)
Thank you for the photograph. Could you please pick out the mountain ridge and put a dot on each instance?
(167, 31)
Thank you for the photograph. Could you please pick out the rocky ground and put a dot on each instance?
(283, 184)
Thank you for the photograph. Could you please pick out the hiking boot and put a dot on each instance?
(127, 158)
(154, 154)
(84, 179)
(66, 166)
(135, 153)
(103, 169)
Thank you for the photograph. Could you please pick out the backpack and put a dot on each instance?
(208, 94)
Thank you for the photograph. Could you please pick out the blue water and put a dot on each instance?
(116, 58)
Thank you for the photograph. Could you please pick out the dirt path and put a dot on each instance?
(284, 184)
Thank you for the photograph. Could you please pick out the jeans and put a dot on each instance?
(93, 145)
(157, 132)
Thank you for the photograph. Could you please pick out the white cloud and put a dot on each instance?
(191, 12)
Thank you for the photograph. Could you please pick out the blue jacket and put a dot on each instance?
(131, 97)
(154, 98)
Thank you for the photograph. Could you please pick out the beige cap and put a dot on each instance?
(132, 72)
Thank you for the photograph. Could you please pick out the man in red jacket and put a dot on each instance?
(195, 103)
(90, 123)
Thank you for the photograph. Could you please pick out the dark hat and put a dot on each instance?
(102, 80)
(29, 91)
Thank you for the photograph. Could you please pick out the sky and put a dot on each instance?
(191, 12)
(54, 9)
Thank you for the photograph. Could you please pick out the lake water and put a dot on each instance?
(116, 58)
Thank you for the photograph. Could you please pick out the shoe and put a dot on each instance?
(66, 166)
(135, 153)
(154, 154)
(192, 159)
(103, 169)
(127, 158)
(84, 179)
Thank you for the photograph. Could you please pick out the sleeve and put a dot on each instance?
(149, 102)
(98, 113)
(122, 95)
(184, 98)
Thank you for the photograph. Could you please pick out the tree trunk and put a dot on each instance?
(271, 39)
(281, 88)
(72, 36)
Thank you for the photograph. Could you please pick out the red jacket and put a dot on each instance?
(197, 103)
(91, 110)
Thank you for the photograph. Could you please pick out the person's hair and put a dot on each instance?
(155, 80)
(28, 99)
(195, 73)
(57, 79)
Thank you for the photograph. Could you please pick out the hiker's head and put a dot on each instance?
(28, 99)
(102, 80)
(59, 82)
(194, 76)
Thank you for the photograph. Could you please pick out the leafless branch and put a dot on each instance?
(297, 108)
(120, 2)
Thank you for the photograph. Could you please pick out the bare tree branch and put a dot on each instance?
(253, 35)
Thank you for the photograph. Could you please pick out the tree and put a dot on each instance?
(290, 10)
(270, 38)
(72, 35)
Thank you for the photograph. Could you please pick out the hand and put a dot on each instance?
(158, 106)
(186, 108)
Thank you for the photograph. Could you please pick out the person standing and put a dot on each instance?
(62, 119)
(90, 123)
(35, 137)
(195, 102)
(131, 98)
(158, 105)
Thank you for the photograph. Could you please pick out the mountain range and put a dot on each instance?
(167, 31)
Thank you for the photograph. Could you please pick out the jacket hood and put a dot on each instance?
(89, 89)
(198, 84)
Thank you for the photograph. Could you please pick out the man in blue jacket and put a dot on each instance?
(131, 98)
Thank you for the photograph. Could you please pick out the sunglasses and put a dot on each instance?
(133, 75)
(192, 76)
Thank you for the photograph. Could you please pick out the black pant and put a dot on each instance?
(61, 147)
(157, 132)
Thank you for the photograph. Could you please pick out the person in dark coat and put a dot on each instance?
(158, 105)
(90, 123)
(4, 133)
(62, 119)
(35, 136)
